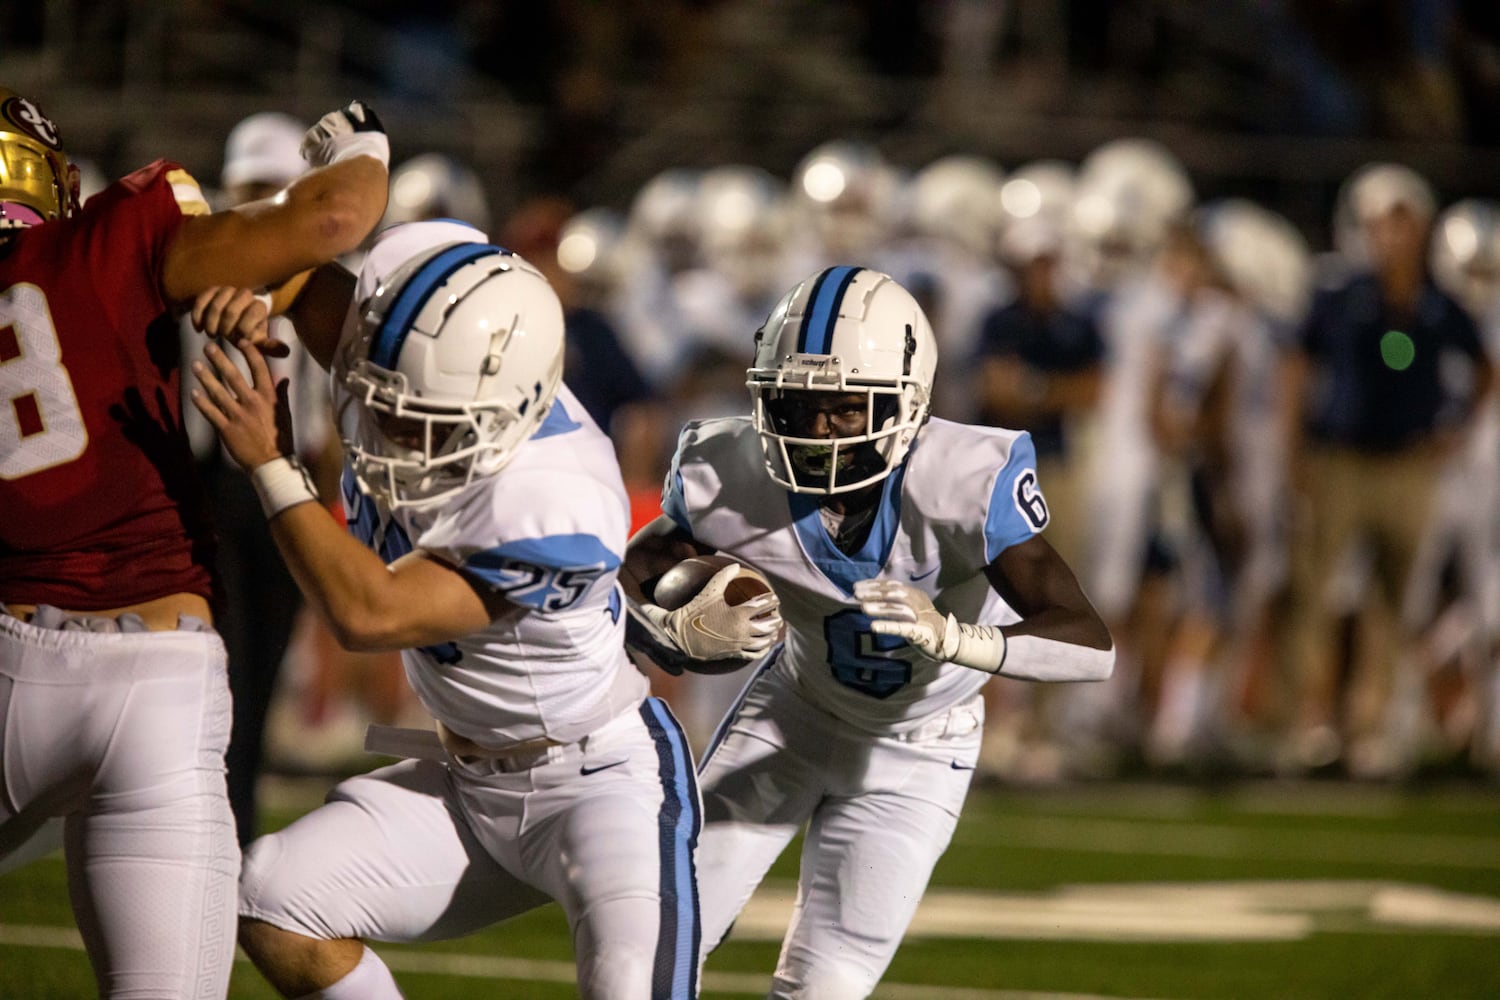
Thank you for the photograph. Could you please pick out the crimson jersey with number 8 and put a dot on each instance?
(90, 411)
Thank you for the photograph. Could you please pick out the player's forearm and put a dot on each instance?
(345, 583)
(337, 206)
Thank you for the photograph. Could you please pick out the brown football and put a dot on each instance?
(682, 582)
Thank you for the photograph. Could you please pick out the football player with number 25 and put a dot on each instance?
(487, 523)
(908, 559)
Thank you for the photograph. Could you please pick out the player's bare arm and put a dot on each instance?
(323, 213)
(368, 605)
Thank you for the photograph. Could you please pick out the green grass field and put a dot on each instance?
(1255, 891)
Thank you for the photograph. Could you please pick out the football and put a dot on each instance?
(682, 582)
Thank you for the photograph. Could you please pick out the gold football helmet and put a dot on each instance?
(37, 183)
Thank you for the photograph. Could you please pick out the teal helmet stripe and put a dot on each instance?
(386, 343)
(816, 334)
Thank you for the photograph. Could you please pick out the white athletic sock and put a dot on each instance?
(369, 980)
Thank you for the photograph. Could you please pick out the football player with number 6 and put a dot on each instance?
(907, 557)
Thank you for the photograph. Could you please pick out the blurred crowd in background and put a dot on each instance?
(1258, 374)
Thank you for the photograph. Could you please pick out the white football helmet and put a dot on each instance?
(843, 330)
(848, 194)
(588, 248)
(1261, 254)
(1129, 193)
(745, 220)
(957, 198)
(456, 362)
(664, 217)
(1465, 254)
(1370, 192)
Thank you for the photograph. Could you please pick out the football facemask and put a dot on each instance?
(457, 361)
(845, 332)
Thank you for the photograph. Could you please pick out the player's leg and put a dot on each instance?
(610, 832)
(152, 857)
(867, 858)
(758, 789)
(384, 859)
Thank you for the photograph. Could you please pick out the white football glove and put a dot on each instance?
(709, 628)
(353, 130)
(897, 609)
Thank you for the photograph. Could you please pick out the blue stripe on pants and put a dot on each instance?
(675, 973)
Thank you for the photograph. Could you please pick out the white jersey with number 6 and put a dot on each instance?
(964, 494)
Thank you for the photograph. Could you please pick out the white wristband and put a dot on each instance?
(979, 647)
(343, 147)
(281, 483)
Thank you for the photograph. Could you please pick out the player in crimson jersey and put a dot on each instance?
(114, 708)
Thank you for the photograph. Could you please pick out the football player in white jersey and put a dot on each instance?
(907, 556)
(487, 523)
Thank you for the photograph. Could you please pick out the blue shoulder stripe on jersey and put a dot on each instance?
(557, 421)
(385, 346)
(816, 334)
(844, 571)
(553, 552)
(674, 972)
(1007, 523)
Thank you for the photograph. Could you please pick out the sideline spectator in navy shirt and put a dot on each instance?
(1372, 421)
(1040, 365)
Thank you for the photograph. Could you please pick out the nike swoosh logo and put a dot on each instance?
(922, 576)
(698, 626)
(586, 770)
(960, 767)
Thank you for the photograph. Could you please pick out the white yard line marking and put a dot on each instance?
(1203, 840)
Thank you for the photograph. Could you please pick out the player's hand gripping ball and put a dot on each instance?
(716, 610)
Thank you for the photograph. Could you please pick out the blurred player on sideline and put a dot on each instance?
(114, 704)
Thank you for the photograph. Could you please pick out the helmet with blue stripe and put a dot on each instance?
(849, 331)
(457, 359)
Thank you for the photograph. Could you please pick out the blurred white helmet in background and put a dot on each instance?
(1261, 254)
(1465, 254)
(588, 246)
(1041, 187)
(1129, 192)
(1035, 204)
(745, 226)
(437, 186)
(957, 198)
(849, 195)
(664, 217)
(1370, 192)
